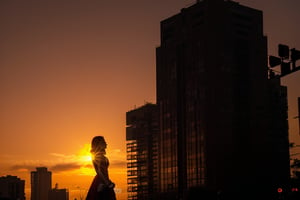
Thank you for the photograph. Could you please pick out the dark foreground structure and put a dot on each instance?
(12, 188)
(223, 128)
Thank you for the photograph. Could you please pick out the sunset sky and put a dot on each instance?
(70, 70)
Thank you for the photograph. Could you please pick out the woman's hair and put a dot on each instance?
(98, 144)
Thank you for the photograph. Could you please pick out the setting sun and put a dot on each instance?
(84, 154)
(85, 160)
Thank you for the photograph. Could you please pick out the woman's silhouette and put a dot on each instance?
(102, 188)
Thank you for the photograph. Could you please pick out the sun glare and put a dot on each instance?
(84, 154)
(85, 159)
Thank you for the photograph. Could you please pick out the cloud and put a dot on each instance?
(61, 156)
(117, 158)
(60, 167)
(79, 163)
(23, 168)
(117, 163)
(56, 168)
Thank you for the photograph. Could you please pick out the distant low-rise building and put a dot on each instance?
(12, 188)
(58, 194)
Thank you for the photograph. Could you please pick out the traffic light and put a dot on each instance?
(286, 59)
(285, 68)
(294, 189)
(295, 55)
(283, 51)
(274, 61)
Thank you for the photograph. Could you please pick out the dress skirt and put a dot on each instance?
(106, 194)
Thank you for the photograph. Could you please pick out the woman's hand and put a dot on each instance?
(111, 185)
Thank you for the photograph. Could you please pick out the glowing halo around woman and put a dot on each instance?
(85, 160)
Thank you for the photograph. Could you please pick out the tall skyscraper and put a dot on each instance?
(142, 152)
(216, 105)
(41, 182)
(223, 125)
(12, 187)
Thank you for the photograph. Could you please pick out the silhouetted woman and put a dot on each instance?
(102, 188)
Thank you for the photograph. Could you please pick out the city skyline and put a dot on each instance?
(72, 71)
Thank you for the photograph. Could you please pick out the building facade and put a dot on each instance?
(41, 182)
(215, 104)
(12, 187)
(142, 152)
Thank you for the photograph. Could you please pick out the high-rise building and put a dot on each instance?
(222, 121)
(142, 152)
(12, 187)
(41, 181)
(216, 103)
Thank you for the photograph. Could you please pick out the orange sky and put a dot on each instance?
(70, 70)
